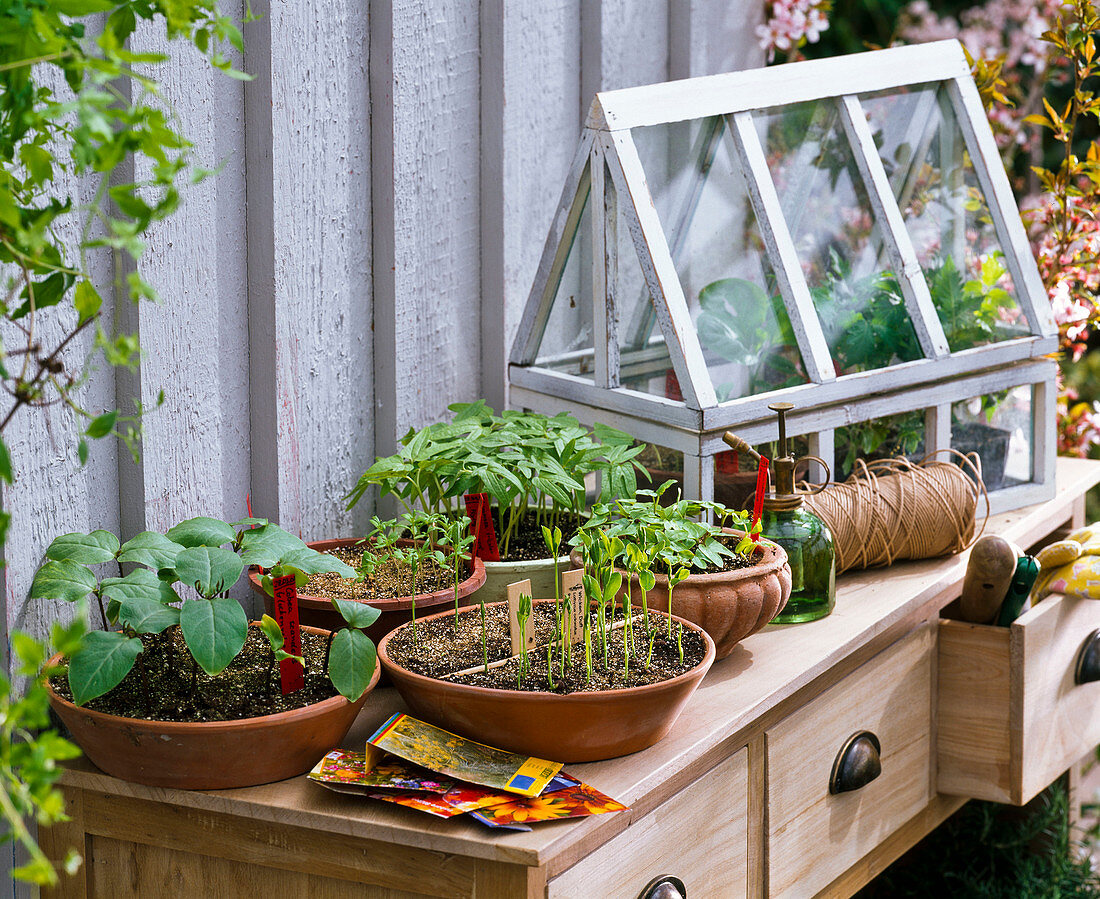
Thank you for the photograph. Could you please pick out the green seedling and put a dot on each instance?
(270, 628)
(523, 615)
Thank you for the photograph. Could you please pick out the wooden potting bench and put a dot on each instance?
(734, 802)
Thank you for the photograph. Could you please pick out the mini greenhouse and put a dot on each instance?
(828, 233)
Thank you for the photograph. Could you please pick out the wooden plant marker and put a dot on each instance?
(291, 674)
(572, 588)
(526, 638)
(481, 523)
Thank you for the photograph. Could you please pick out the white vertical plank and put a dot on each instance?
(899, 247)
(660, 272)
(823, 445)
(937, 429)
(705, 37)
(530, 89)
(699, 478)
(196, 447)
(1030, 293)
(555, 252)
(1044, 414)
(781, 252)
(310, 265)
(434, 142)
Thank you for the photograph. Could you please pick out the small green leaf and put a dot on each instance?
(351, 662)
(214, 630)
(150, 549)
(147, 616)
(65, 580)
(208, 569)
(103, 660)
(272, 631)
(87, 300)
(82, 451)
(5, 463)
(312, 562)
(141, 583)
(86, 549)
(266, 546)
(356, 614)
(202, 532)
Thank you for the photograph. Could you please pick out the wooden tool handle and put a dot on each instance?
(988, 576)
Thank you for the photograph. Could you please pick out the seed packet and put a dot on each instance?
(577, 801)
(454, 756)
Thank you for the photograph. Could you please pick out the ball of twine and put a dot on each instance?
(894, 509)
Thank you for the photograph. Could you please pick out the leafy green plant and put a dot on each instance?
(533, 465)
(146, 602)
(74, 110)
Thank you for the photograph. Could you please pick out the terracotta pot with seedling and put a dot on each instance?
(581, 676)
(418, 563)
(714, 575)
(533, 467)
(183, 692)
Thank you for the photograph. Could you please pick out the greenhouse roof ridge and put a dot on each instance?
(731, 92)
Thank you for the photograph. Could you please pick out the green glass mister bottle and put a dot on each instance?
(802, 534)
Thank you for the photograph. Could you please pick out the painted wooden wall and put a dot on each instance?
(361, 260)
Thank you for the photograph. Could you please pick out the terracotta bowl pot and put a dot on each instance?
(576, 727)
(317, 611)
(210, 755)
(729, 605)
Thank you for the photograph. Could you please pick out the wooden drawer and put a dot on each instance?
(699, 835)
(814, 836)
(1011, 717)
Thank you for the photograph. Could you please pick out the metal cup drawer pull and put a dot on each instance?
(1088, 660)
(857, 764)
(664, 887)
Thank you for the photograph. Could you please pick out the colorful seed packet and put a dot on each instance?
(577, 801)
(454, 756)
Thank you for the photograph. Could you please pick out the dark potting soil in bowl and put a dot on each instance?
(165, 684)
(526, 543)
(390, 580)
(439, 647)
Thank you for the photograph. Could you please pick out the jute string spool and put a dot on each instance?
(894, 509)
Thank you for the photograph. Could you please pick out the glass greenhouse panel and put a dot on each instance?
(998, 427)
(706, 212)
(566, 344)
(837, 234)
(946, 215)
(838, 242)
(644, 363)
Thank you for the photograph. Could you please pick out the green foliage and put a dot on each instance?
(73, 110)
(30, 751)
(145, 601)
(997, 852)
(529, 463)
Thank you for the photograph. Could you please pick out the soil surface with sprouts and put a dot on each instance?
(440, 647)
(526, 542)
(390, 579)
(166, 684)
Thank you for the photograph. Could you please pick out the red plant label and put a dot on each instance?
(761, 487)
(291, 674)
(481, 523)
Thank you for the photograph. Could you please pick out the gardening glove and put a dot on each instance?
(1071, 566)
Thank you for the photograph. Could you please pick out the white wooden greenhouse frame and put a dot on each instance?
(695, 425)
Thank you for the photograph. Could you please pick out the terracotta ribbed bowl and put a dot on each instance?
(210, 755)
(317, 611)
(576, 727)
(728, 605)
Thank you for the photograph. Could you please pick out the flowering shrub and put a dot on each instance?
(1032, 60)
(791, 24)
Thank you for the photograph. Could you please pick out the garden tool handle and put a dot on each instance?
(989, 573)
